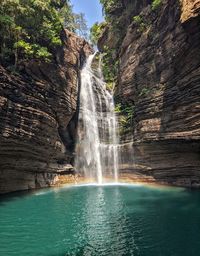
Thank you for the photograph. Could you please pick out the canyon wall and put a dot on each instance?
(159, 74)
(38, 117)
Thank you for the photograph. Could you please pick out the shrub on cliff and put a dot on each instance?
(156, 4)
(109, 65)
(126, 112)
(96, 31)
(138, 20)
(108, 5)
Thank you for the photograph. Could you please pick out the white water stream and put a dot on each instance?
(97, 144)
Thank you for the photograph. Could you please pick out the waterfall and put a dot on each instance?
(97, 140)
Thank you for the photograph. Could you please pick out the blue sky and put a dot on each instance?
(91, 8)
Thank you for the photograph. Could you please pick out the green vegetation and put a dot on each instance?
(144, 91)
(110, 54)
(109, 65)
(156, 4)
(32, 28)
(80, 25)
(110, 86)
(96, 31)
(108, 6)
(126, 113)
(138, 20)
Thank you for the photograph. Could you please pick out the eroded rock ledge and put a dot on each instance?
(37, 112)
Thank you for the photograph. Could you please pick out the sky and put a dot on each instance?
(91, 8)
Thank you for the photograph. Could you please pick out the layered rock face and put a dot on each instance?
(159, 73)
(37, 117)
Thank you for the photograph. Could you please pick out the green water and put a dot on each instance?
(108, 220)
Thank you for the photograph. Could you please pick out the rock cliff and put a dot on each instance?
(37, 117)
(159, 74)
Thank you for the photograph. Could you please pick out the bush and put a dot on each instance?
(137, 19)
(108, 5)
(126, 113)
(96, 31)
(109, 65)
(156, 4)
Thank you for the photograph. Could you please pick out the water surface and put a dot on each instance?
(104, 220)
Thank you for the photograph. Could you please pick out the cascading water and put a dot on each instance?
(97, 142)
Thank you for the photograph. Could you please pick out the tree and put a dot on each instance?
(31, 29)
(81, 25)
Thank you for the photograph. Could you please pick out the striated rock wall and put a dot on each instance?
(159, 72)
(37, 117)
